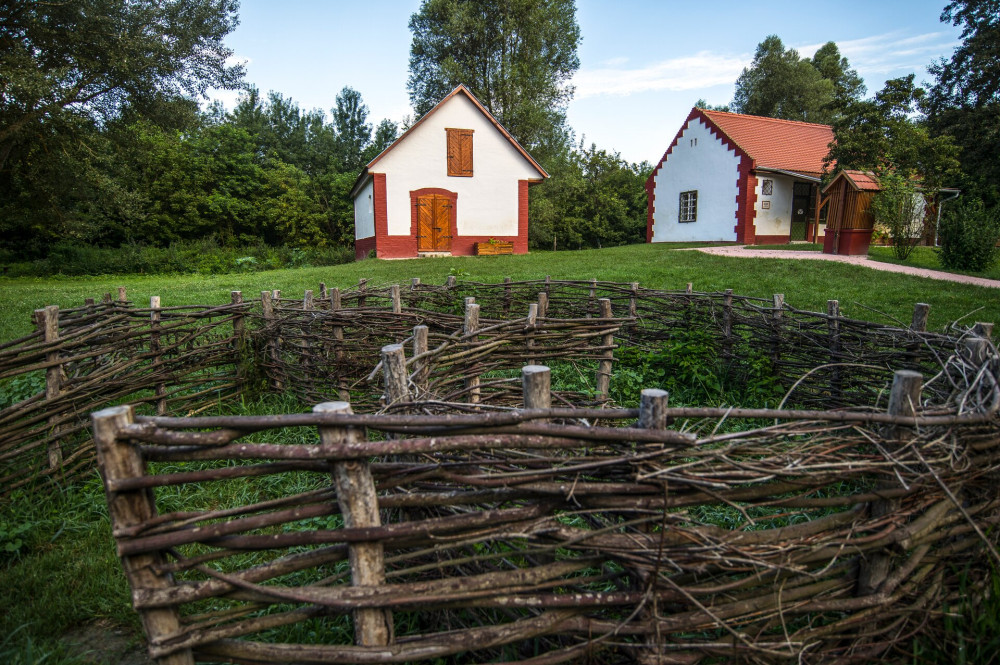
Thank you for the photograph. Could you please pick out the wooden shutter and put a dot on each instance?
(460, 152)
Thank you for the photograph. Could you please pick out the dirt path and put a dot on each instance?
(864, 261)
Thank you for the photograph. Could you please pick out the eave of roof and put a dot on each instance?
(468, 93)
(787, 145)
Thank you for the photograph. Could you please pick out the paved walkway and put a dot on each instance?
(744, 252)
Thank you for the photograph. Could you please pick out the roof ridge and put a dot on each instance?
(764, 117)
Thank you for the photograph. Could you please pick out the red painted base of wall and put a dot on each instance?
(771, 240)
(852, 242)
(362, 247)
(405, 247)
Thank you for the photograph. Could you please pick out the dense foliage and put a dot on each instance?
(969, 233)
(899, 207)
(781, 84)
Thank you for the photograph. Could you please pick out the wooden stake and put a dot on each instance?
(471, 326)
(977, 350)
(653, 404)
(536, 382)
(394, 371)
(89, 302)
(322, 291)
(122, 298)
(334, 299)
(358, 503)
(982, 329)
(776, 315)
(607, 355)
(727, 325)
(48, 322)
(450, 282)
(338, 346)
(921, 312)
(633, 302)
(236, 298)
(530, 323)
(903, 401)
(833, 329)
(307, 301)
(506, 296)
(154, 348)
(543, 305)
(267, 307)
(118, 460)
(422, 370)
(397, 303)
(362, 289)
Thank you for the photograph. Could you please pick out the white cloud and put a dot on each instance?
(702, 70)
(891, 51)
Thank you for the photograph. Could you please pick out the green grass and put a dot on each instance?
(863, 293)
(926, 257)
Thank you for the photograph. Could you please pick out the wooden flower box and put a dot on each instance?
(494, 248)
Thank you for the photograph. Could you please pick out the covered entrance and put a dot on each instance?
(803, 208)
(434, 215)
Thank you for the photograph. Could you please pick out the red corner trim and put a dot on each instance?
(521, 242)
(381, 211)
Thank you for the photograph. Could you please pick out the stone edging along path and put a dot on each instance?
(742, 251)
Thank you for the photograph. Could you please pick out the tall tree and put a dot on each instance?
(353, 133)
(965, 100)
(883, 134)
(91, 58)
(781, 84)
(517, 57)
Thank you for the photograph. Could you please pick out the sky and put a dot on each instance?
(643, 63)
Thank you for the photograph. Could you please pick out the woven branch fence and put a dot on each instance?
(466, 342)
(534, 535)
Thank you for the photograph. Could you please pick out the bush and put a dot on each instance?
(968, 234)
(899, 207)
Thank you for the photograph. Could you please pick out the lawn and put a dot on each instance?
(863, 293)
(926, 257)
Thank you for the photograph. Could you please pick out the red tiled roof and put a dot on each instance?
(863, 180)
(777, 144)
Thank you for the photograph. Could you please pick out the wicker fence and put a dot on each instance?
(166, 359)
(662, 535)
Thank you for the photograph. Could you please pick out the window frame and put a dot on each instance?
(687, 213)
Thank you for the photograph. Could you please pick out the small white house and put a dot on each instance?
(733, 177)
(455, 178)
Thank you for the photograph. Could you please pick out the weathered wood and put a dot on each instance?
(494, 248)
(272, 352)
(122, 297)
(414, 283)
(48, 319)
(530, 322)
(777, 311)
(307, 300)
(359, 505)
(977, 350)
(506, 296)
(727, 325)
(421, 367)
(536, 383)
(689, 289)
(653, 404)
(633, 301)
(397, 303)
(362, 290)
(833, 330)
(88, 302)
(982, 329)
(334, 298)
(394, 373)
(338, 346)
(921, 313)
(471, 326)
(236, 298)
(322, 291)
(543, 304)
(154, 349)
(450, 281)
(904, 398)
(607, 356)
(119, 460)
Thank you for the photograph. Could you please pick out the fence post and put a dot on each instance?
(88, 302)
(394, 371)
(362, 289)
(422, 369)
(397, 304)
(976, 350)
(982, 329)
(543, 304)
(633, 302)
(267, 307)
(118, 460)
(338, 347)
(592, 299)
(322, 291)
(122, 298)
(903, 400)
(536, 383)
(359, 506)
(690, 288)
(921, 312)
(450, 282)
(776, 316)
(471, 326)
(833, 328)
(506, 296)
(607, 355)
(48, 322)
(236, 298)
(530, 322)
(154, 348)
(307, 301)
(727, 325)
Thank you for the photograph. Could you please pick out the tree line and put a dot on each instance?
(103, 141)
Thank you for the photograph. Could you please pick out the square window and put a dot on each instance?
(688, 207)
(767, 187)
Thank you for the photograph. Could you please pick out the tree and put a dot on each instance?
(780, 84)
(516, 56)
(899, 206)
(385, 134)
(965, 100)
(703, 104)
(882, 134)
(353, 133)
(847, 84)
(63, 61)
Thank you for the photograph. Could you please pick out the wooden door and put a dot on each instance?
(802, 193)
(433, 224)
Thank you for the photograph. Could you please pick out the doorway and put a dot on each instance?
(433, 223)
(802, 208)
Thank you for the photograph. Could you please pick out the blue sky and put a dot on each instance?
(643, 64)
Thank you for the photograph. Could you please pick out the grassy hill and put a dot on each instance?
(863, 293)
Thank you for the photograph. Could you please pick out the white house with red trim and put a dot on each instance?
(733, 177)
(455, 178)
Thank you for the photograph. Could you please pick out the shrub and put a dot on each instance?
(968, 234)
(899, 207)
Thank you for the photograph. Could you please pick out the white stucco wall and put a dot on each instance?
(487, 202)
(708, 167)
(777, 220)
(364, 212)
